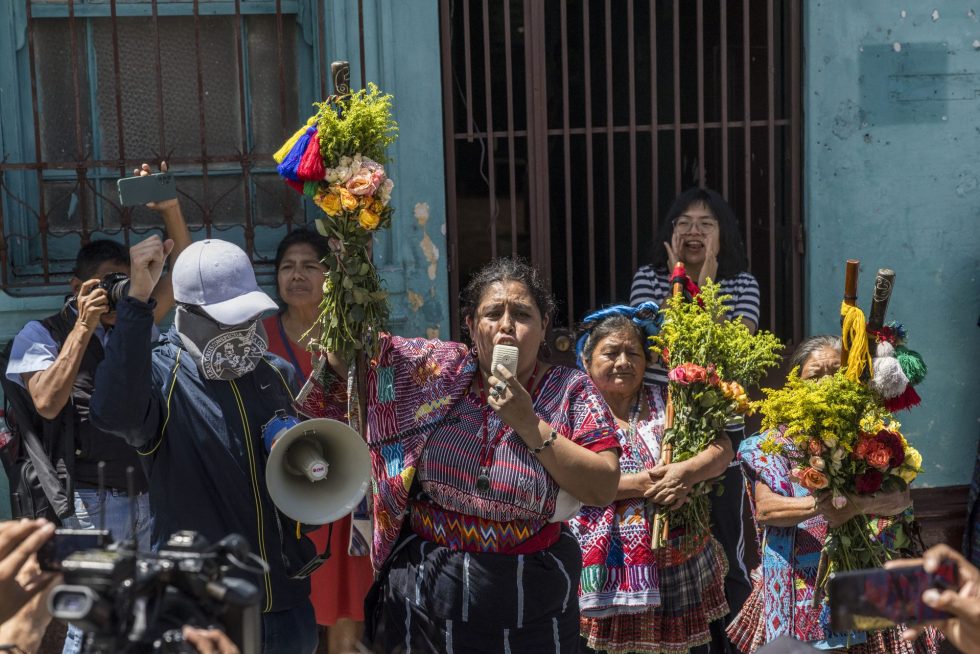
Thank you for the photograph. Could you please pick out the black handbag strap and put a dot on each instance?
(60, 498)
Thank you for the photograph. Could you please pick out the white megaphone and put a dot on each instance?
(318, 470)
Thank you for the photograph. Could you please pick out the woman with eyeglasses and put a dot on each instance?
(701, 231)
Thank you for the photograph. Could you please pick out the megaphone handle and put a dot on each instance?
(310, 566)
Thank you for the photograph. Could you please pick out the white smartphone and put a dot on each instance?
(505, 355)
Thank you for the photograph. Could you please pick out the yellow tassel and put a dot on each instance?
(298, 533)
(288, 145)
(854, 343)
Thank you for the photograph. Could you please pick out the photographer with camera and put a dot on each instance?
(53, 467)
(195, 406)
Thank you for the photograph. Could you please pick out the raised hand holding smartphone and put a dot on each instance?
(879, 598)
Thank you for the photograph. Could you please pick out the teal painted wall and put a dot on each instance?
(892, 177)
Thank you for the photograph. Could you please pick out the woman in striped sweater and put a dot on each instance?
(701, 231)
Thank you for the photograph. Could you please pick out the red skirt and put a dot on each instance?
(338, 587)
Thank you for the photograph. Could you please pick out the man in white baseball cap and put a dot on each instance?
(195, 406)
(218, 307)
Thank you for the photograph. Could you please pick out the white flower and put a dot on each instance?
(839, 502)
(818, 463)
(837, 455)
(384, 191)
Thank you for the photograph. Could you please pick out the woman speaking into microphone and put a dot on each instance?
(475, 471)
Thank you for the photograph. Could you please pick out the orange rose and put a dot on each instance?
(813, 480)
(348, 200)
(879, 458)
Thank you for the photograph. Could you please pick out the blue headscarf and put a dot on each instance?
(645, 315)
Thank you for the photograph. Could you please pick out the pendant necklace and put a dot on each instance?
(488, 449)
(635, 419)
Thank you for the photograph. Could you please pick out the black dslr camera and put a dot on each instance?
(116, 286)
(129, 602)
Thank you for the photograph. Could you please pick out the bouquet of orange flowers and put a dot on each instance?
(843, 445)
(337, 159)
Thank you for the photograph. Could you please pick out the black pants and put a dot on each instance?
(727, 525)
(433, 599)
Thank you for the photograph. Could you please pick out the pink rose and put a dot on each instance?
(687, 373)
(362, 183)
(367, 179)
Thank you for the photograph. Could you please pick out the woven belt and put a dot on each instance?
(467, 533)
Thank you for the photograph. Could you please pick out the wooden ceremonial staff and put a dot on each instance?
(850, 299)
(661, 523)
(884, 283)
(357, 368)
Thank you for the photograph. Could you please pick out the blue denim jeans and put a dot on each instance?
(90, 505)
(289, 632)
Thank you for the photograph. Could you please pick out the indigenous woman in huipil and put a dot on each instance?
(634, 598)
(792, 525)
(475, 473)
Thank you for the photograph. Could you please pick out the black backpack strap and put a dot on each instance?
(24, 422)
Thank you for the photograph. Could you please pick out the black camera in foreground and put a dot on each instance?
(116, 287)
(126, 601)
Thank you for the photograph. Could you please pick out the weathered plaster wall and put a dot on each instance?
(403, 58)
(893, 179)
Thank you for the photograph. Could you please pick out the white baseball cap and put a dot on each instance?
(218, 277)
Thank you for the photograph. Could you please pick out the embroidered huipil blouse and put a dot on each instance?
(619, 572)
(423, 420)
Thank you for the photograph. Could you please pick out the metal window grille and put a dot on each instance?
(211, 86)
(571, 126)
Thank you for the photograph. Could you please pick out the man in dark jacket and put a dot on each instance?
(194, 407)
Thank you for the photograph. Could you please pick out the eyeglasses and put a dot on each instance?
(685, 225)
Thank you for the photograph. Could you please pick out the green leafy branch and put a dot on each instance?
(364, 125)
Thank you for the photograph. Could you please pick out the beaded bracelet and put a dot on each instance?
(538, 450)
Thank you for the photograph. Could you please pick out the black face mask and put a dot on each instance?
(221, 352)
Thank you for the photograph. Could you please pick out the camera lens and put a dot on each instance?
(119, 291)
(116, 286)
